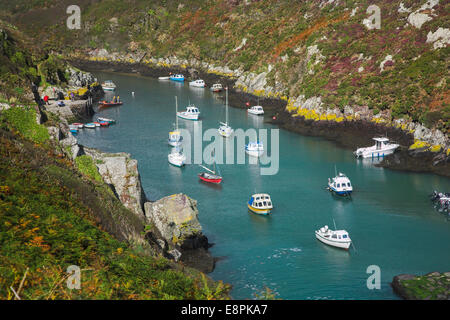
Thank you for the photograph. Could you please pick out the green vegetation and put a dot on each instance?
(430, 287)
(23, 119)
(87, 167)
(51, 219)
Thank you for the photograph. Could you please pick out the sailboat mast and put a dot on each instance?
(226, 110)
(176, 112)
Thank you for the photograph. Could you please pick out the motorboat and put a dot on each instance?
(260, 203)
(175, 138)
(108, 85)
(381, 148)
(256, 110)
(191, 113)
(225, 130)
(216, 87)
(197, 83)
(97, 124)
(254, 149)
(334, 238)
(441, 200)
(110, 121)
(340, 185)
(176, 157)
(177, 77)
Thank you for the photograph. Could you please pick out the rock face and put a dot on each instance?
(121, 172)
(432, 286)
(178, 231)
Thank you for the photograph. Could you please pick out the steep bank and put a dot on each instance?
(57, 213)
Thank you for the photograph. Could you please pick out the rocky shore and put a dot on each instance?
(431, 286)
(414, 154)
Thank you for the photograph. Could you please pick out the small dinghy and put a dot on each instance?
(197, 83)
(211, 175)
(90, 125)
(381, 148)
(191, 113)
(334, 238)
(108, 85)
(73, 128)
(97, 124)
(104, 124)
(216, 87)
(177, 77)
(254, 149)
(176, 157)
(78, 125)
(256, 110)
(340, 185)
(163, 78)
(109, 104)
(110, 121)
(260, 203)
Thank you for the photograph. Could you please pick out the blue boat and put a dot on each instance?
(177, 77)
(340, 185)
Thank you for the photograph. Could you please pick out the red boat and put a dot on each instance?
(210, 176)
(109, 104)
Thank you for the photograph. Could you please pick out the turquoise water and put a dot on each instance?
(390, 218)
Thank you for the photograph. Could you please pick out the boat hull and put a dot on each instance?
(177, 79)
(219, 180)
(264, 212)
(108, 89)
(376, 153)
(338, 244)
(256, 154)
(188, 117)
(110, 104)
(340, 192)
(176, 160)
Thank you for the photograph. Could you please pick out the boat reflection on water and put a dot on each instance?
(197, 92)
(255, 121)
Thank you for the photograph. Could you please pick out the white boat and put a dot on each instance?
(381, 148)
(257, 110)
(254, 149)
(225, 130)
(175, 137)
(340, 185)
(335, 238)
(163, 78)
(176, 157)
(216, 87)
(260, 203)
(197, 83)
(191, 113)
(108, 85)
(106, 120)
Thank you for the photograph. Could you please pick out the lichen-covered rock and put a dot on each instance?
(175, 217)
(431, 286)
(121, 172)
(178, 232)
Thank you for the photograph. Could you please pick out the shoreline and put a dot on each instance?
(419, 160)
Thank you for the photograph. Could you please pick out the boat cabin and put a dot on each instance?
(380, 143)
(261, 201)
(216, 87)
(191, 109)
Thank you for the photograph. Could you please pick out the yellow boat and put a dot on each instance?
(260, 203)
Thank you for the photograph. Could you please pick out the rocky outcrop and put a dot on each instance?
(178, 231)
(121, 173)
(432, 286)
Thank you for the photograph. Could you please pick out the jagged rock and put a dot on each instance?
(120, 171)
(432, 286)
(175, 254)
(440, 38)
(175, 217)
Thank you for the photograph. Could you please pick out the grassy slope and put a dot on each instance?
(52, 217)
(211, 30)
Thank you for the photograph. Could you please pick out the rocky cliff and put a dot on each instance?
(431, 286)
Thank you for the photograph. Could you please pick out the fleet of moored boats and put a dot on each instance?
(259, 203)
